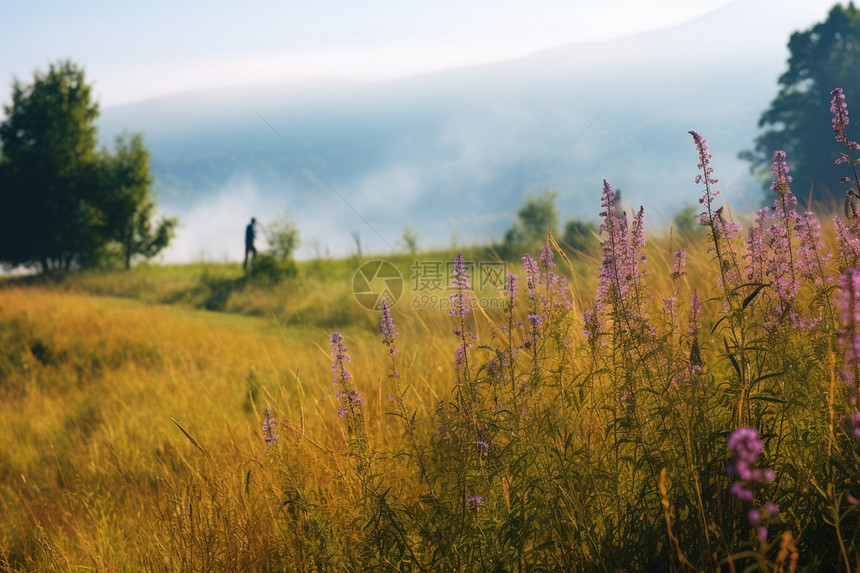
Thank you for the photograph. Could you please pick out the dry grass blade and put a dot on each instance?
(664, 502)
(787, 554)
(187, 435)
(566, 260)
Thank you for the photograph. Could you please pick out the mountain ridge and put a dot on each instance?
(451, 151)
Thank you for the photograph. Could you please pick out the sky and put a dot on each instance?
(138, 50)
(135, 51)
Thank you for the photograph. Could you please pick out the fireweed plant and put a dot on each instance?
(710, 426)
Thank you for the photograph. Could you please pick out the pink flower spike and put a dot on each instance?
(754, 516)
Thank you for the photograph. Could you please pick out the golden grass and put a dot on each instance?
(90, 386)
(131, 430)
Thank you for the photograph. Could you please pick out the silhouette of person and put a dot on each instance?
(250, 235)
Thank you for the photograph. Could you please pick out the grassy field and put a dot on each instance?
(689, 405)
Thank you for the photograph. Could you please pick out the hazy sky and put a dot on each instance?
(136, 50)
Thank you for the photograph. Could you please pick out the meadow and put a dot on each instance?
(682, 404)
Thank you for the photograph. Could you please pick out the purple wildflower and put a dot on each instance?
(461, 296)
(460, 354)
(387, 328)
(810, 261)
(849, 303)
(556, 285)
(483, 448)
(810, 256)
(839, 109)
(620, 274)
(532, 274)
(781, 261)
(611, 234)
(592, 326)
(756, 254)
(695, 312)
(706, 176)
(537, 300)
(740, 492)
(853, 423)
(627, 400)
(754, 516)
(679, 263)
(779, 168)
(755, 519)
(351, 401)
(849, 243)
(269, 428)
(616, 249)
(726, 233)
(460, 299)
(510, 288)
(798, 322)
(747, 446)
(637, 239)
(339, 358)
(546, 256)
(669, 307)
(562, 296)
(475, 501)
(771, 509)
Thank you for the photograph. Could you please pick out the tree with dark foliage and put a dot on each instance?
(62, 204)
(127, 202)
(49, 217)
(822, 58)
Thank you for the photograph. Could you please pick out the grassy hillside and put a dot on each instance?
(317, 293)
(134, 441)
(685, 405)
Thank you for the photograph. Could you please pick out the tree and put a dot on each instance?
(127, 202)
(538, 214)
(580, 235)
(823, 57)
(63, 204)
(409, 240)
(49, 171)
(283, 238)
(685, 223)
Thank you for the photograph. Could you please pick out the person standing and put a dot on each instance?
(250, 235)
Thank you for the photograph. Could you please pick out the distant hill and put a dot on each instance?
(453, 152)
